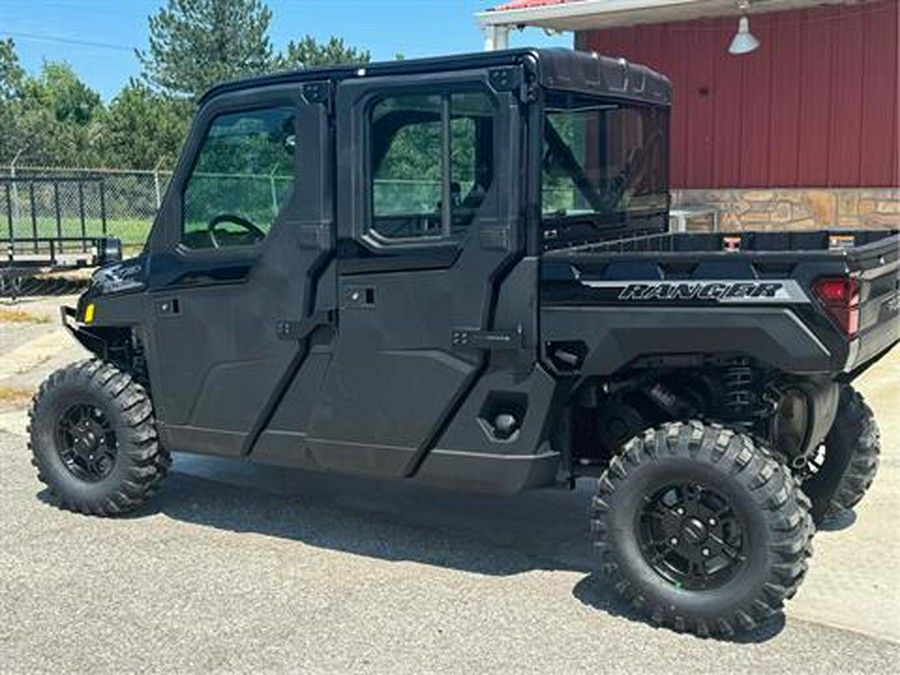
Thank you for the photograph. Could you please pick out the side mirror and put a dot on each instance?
(109, 250)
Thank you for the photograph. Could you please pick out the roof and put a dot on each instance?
(593, 14)
(554, 68)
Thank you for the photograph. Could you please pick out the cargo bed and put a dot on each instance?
(694, 271)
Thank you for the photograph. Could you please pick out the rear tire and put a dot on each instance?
(729, 514)
(93, 439)
(852, 450)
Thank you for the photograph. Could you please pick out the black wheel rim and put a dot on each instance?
(86, 442)
(691, 536)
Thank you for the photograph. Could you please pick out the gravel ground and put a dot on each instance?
(236, 567)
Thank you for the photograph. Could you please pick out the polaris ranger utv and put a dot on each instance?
(457, 271)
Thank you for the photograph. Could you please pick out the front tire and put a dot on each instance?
(93, 439)
(701, 529)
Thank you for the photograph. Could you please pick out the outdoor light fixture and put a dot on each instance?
(743, 41)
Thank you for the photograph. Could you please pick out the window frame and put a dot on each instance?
(186, 183)
(624, 103)
(446, 91)
(244, 101)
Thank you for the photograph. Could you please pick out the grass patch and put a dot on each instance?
(20, 316)
(131, 231)
(15, 397)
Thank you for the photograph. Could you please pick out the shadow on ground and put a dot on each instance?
(390, 520)
(594, 591)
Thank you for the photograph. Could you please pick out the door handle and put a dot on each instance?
(167, 307)
(501, 340)
(358, 296)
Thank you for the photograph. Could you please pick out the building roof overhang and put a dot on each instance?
(575, 15)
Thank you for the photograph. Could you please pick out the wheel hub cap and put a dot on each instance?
(691, 536)
(86, 442)
(694, 531)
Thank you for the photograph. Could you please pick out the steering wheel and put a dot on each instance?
(257, 233)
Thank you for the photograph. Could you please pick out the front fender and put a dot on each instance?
(89, 339)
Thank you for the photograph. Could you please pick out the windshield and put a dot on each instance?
(603, 162)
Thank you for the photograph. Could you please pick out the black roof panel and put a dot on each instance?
(555, 68)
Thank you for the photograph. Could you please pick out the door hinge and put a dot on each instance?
(506, 78)
(300, 330)
(319, 92)
(469, 338)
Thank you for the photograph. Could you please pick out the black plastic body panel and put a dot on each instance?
(615, 337)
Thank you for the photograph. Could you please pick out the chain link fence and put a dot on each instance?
(66, 202)
(65, 208)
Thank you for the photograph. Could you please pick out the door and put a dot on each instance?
(428, 225)
(238, 264)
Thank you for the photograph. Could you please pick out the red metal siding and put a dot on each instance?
(815, 106)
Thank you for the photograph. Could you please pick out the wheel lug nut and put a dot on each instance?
(712, 521)
(679, 511)
(705, 551)
(673, 541)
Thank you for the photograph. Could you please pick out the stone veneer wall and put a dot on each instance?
(797, 209)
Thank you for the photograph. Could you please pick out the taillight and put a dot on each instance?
(840, 298)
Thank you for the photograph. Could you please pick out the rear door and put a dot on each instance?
(428, 224)
(239, 258)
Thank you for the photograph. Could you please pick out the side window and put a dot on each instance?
(432, 163)
(242, 178)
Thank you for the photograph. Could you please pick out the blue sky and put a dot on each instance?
(58, 30)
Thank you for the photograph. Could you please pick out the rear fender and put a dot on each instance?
(610, 338)
(822, 395)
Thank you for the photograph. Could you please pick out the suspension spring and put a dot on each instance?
(739, 395)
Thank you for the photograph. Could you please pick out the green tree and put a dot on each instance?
(11, 77)
(63, 94)
(307, 53)
(144, 126)
(196, 43)
(11, 72)
(54, 119)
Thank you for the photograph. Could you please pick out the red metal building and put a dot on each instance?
(815, 106)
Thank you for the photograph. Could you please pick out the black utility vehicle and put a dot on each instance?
(456, 271)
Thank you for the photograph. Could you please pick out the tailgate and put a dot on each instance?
(879, 296)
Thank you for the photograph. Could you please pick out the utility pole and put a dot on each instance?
(156, 182)
(274, 191)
